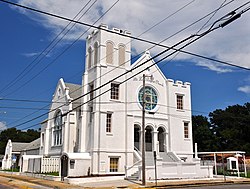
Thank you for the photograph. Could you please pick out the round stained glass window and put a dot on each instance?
(151, 98)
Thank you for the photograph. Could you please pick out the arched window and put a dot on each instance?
(89, 57)
(57, 130)
(121, 55)
(109, 52)
(95, 53)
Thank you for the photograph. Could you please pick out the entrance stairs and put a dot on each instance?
(149, 160)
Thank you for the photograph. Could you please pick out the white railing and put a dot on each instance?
(129, 170)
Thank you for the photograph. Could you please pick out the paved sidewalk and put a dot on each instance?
(32, 182)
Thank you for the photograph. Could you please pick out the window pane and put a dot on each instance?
(108, 123)
(186, 130)
(114, 91)
(179, 102)
(114, 164)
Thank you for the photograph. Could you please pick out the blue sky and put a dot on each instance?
(24, 35)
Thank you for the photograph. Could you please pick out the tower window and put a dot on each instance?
(108, 122)
(114, 91)
(95, 53)
(89, 57)
(186, 130)
(179, 99)
(121, 55)
(109, 52)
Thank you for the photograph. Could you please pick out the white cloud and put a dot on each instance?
(33, 54)
(214, 67)
(245, 89)
(3, 126)
(231, 43)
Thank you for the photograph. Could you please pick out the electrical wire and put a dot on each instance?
(178, 10)
(46, 51)
(198, 36)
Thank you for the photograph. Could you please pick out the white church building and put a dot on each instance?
(95, 129)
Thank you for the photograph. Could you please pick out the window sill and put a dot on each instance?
(115, 100)
(56, 146)
(187, 139)
(109, 134)
(180, 110)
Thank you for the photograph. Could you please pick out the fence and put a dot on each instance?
(43, 165)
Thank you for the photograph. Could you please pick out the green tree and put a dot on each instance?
(232, 127)
(202, 135)
(16, 136)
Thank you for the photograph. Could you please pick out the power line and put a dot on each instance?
(139, 35)
(198, 36)
(185, 45)
(173, 47)
(136, 38)
(72, 43)
(45, 52)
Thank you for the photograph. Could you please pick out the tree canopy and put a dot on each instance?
(16, 136)
(227, 129)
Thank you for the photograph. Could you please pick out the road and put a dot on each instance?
(5, 187)
(7, 183)
(227, 186)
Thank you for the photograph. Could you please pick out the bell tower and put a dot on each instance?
(108, 53)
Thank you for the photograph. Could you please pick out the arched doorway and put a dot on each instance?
(64, 166)
(161, 139)
(137, 136)
(148, 138)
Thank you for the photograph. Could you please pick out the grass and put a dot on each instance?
(52, 173)
(11, 170)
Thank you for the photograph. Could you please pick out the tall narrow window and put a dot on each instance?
(114, 91)
(121, 55)
(91, 91)
(114, 164)
(108, 122)
(57, 130)
(95, 53)
(90, 104)
(109, 53)
(179, 102)
(89, 57)
(186, 130)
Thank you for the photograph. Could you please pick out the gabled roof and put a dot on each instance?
(34, 144)
(74, 92)
(145, 61)
(18, 146)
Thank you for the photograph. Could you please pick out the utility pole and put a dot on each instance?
(143, 134)
(143, 130)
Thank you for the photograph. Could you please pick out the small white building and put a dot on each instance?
(95, 128)
(15, 150)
